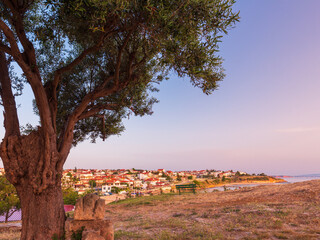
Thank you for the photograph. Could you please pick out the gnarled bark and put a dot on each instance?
(38, 183)
(43, 214)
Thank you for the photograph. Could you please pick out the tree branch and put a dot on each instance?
(66, 138)
(5, 48)
(78, 59)
(12, 212)
(11, 38)
(52, 88)
(11, 121)
(118, 64)
(97, 108)
(17, 21)
(27, 62)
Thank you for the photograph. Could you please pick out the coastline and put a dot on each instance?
(270, 181)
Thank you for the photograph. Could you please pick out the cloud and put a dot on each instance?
(298, 130)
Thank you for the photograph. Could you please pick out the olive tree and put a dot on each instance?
(91, 63)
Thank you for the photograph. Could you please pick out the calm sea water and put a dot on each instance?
(299, 179)
(237, 186)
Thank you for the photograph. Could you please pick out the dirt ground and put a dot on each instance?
(288, 211)
(10, 231)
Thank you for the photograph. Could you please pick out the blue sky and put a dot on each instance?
(265, 116)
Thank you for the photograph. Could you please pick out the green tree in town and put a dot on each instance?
(70, 196)
(89, 191)
(115, 190)
(9, 201)
(92, 183)
(178, 177)
(90, 64)
(168, 178)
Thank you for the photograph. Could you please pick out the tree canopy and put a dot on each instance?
(100, 60)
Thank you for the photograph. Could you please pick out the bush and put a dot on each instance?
(9, 201)
(70, 196)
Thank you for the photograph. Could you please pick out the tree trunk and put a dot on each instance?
(7, 216)
(31, 165)
(43, 214)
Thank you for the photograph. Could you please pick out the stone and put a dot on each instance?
(104, 227)
(89, 220)
(91, 235)
(90, 207)
(100, 209)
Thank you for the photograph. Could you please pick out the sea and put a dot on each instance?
(300, 178)
(288, 180)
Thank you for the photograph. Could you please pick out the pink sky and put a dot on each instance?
(265, 117)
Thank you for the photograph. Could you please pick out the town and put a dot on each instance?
(117, 184)
(135, 181)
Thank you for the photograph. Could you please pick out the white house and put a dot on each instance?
(106, 188)
(216, 174)
(142, 176)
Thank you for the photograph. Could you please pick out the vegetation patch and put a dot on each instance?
(148, 200)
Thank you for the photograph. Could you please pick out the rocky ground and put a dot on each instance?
(288, 211)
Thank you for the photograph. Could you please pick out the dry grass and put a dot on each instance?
(266, 212)
(9, 233)
(289, 211)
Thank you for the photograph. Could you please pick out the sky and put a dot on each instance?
(264, 117)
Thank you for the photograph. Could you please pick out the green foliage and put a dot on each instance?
(148, 200)
(216, 181)
(70, 196)
(196, 182)
(92, 183)
(178, 177)
(9, 201)
(260, 178)
(190, 177)
(55, 237)
(168, 178)
(89, 191)
(115, 189)
(77, 235)
(136, 45)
